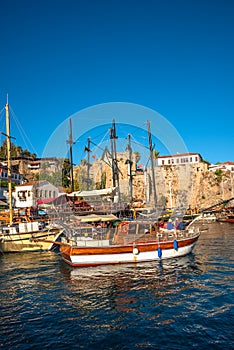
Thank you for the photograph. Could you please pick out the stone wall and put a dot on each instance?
(191, 186)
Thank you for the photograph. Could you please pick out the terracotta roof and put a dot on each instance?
(229, 163)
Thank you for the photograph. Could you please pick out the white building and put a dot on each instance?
(179, 159)
(27, 195)
(222, 166)
(15, 177)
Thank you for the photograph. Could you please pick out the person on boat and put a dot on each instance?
(170, 225)
(160, 223)
(28, 212)
(177, 224)
(182, 225)
(155, 227)
(94, 231)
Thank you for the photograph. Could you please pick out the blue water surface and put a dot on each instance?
(181, 303)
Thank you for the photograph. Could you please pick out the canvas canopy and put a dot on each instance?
(97, 218)
(94, 193)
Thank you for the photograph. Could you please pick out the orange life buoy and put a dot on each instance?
(124, 228)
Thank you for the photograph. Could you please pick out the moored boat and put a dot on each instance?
(28, 237)
(16, 235)
(128, 242)
(226, 218)
(226, 215)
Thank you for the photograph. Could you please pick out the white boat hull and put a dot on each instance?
(125, 258)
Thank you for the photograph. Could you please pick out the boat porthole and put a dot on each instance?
(135, 251)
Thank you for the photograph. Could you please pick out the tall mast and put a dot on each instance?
(130, 162)
(8, 137)
(115, 170)
(87, 149)
(152, 164)
(71, 142)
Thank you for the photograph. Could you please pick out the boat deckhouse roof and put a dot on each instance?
(94, 193)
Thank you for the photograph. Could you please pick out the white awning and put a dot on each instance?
(96, 218)
(94, 193)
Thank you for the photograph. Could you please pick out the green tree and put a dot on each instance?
(218, 174)
(16, 151)
(155, 155)
(66, 173)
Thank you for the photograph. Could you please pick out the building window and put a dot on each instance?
(169, 162)
(191, 159)
(196, 159)
(45, 193)
(177, 160)
(22, 196)
(49, 194)
(163, 162)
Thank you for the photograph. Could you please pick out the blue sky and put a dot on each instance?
(175, 57)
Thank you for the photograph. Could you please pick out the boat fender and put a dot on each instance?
(175, 244)
(135, 251)
(159, 252)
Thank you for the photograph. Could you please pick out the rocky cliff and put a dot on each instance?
(191, 186)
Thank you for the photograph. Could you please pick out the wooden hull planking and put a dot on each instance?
(124, 254)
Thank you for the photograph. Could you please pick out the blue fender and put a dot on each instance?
(175, 243)
(159, 252)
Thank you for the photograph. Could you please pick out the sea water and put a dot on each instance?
(181, 303)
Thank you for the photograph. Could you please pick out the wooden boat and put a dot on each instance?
(28, 237)
(128, 242)
(226, 218)
(226, 215)
(17, 235)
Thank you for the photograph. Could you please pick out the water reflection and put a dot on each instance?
(47, 303)
(125, 288)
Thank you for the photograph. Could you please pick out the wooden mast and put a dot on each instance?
(152, 164)
(130, 162)
(115, 170)
(8, 141)
(70, 142)
(87, 149)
